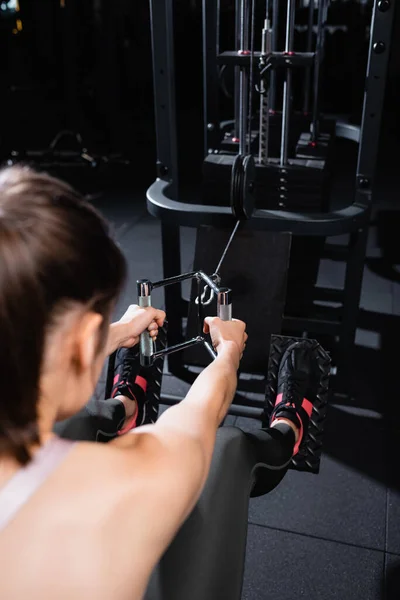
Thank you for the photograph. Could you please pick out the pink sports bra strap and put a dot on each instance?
(27, 480)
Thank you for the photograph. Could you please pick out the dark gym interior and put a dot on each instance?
(80, 95)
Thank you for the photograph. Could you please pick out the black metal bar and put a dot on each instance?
(378, 59)
(287, 85)
(246, 411)
(179, 278)
(275, 35)
(178, 347)
(237, 70)
(329, 294)
(301, 324)
(235, 410)
(243, 79)
(162, 36)
(174, 304)
(317, 69)
(273, 59)
(335, 251)
(351, 302)
(200, 311)
(174, 279)
(307, 79)
(348, 131)
(210, 75)
(337, 222)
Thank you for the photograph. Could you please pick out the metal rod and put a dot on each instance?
(178, 347)
(162, 38)
(243, 110)
(237, 69)
(210, 28)
(317, 70)
(251, 78)
(275, 32)
(218, 32)
(236, 410)
(210, 349)
(263, 128)
(243, 78)
(287, 86)
(209, 282)
(307, 79)
(175, 279)
(199, 309)
(185, 276)
(175, 306)
(291, 7)
(221, 260)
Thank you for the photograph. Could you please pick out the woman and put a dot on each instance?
(87, 520)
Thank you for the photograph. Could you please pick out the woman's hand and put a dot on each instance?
(125, 332)
(229, 335)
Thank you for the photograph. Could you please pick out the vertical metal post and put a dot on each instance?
(307, 79)
(238, 4)
(378, 60)
(210, 73)
(351, 300)
(275, 33)
(243, 88)
(263, 133)
(175, 306)
(162, 38)
(287, 86)
(319, 50)
(161, 16)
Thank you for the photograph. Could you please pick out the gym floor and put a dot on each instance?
(335, 535)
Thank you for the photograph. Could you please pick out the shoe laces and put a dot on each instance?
(295, 389)
(127, 365)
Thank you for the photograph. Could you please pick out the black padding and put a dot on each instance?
(255, 269)
(205, 560)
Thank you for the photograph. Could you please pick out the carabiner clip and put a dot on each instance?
(203, 300)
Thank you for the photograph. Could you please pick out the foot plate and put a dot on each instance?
(309, 455)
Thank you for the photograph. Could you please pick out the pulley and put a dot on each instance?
(242, 186)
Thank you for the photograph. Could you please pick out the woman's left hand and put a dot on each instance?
(125, 333)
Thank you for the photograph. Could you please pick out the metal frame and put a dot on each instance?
(210, 74)
(162, 41)
(162, 196)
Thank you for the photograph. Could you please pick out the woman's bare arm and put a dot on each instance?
(170, 460)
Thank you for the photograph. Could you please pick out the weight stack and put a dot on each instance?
(301, 185)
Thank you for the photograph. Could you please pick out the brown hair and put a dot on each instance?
(54, 248)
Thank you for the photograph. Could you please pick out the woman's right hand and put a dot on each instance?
(227, 334)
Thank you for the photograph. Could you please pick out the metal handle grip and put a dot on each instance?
(224, 304)
(146, 345)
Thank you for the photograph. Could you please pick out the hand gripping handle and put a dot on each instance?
(146, 352)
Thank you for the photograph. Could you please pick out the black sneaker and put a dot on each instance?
(129, 381)
(294, 399)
